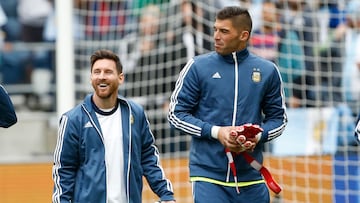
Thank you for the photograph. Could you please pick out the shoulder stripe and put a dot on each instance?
(57, 164)
(274, 133)
(173, 119)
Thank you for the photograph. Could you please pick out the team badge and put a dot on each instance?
(256, 76)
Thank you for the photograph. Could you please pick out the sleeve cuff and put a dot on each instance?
(215, 131)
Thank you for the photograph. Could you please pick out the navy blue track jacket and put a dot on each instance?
(7, 112)
(215, 90)
(79, 170)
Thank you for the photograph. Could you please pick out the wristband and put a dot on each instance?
(215, 131)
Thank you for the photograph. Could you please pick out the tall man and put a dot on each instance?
(220, 93)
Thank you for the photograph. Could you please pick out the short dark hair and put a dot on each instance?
(240, 17)
(106, 54)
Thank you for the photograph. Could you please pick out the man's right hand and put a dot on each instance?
(227, 137)
(236, 140)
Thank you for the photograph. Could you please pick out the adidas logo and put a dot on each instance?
(216, 75)
(88, 125)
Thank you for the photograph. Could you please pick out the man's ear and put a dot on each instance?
(245, 35)
(121, 78)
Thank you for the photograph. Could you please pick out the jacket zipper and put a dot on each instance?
(231, 163)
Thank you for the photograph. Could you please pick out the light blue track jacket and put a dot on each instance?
(226, 90)
(79, 170)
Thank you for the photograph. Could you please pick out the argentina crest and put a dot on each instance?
(256, 75)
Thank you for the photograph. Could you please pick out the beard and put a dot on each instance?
(107, 92)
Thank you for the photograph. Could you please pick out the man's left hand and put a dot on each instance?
(248, 135)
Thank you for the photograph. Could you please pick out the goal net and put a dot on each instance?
(316, 160)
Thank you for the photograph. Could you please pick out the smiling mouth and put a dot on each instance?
(102, 86)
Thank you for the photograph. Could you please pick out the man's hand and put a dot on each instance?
(248, 135)
(250, 131)
(226, 137)
(240, 138)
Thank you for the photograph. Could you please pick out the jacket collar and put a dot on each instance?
(88, 103)
(101, 112)
(240, 55)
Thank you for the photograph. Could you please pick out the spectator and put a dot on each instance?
(345, 38)
(11, 64)
(255, 9)
(50, 28)
(139, 57)
(202, 14)
(291, 64)
(292, 68)
(330, 54)
(150, 56)
(276, 42)
(303, 22)
(33, 18)
(180, 46)
(12, 28)
(189, 25)
(351, 77)
(37, 62)
(103, 20)
(149, 39)
(3, 20)
(264, 40)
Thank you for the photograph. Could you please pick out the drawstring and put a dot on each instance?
(233, 168)
(270, 182)
(231, 163)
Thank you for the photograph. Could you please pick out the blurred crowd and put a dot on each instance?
(24, 59)
(316, 44)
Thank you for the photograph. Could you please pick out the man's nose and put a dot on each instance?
(216, 35)
(101, 74)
